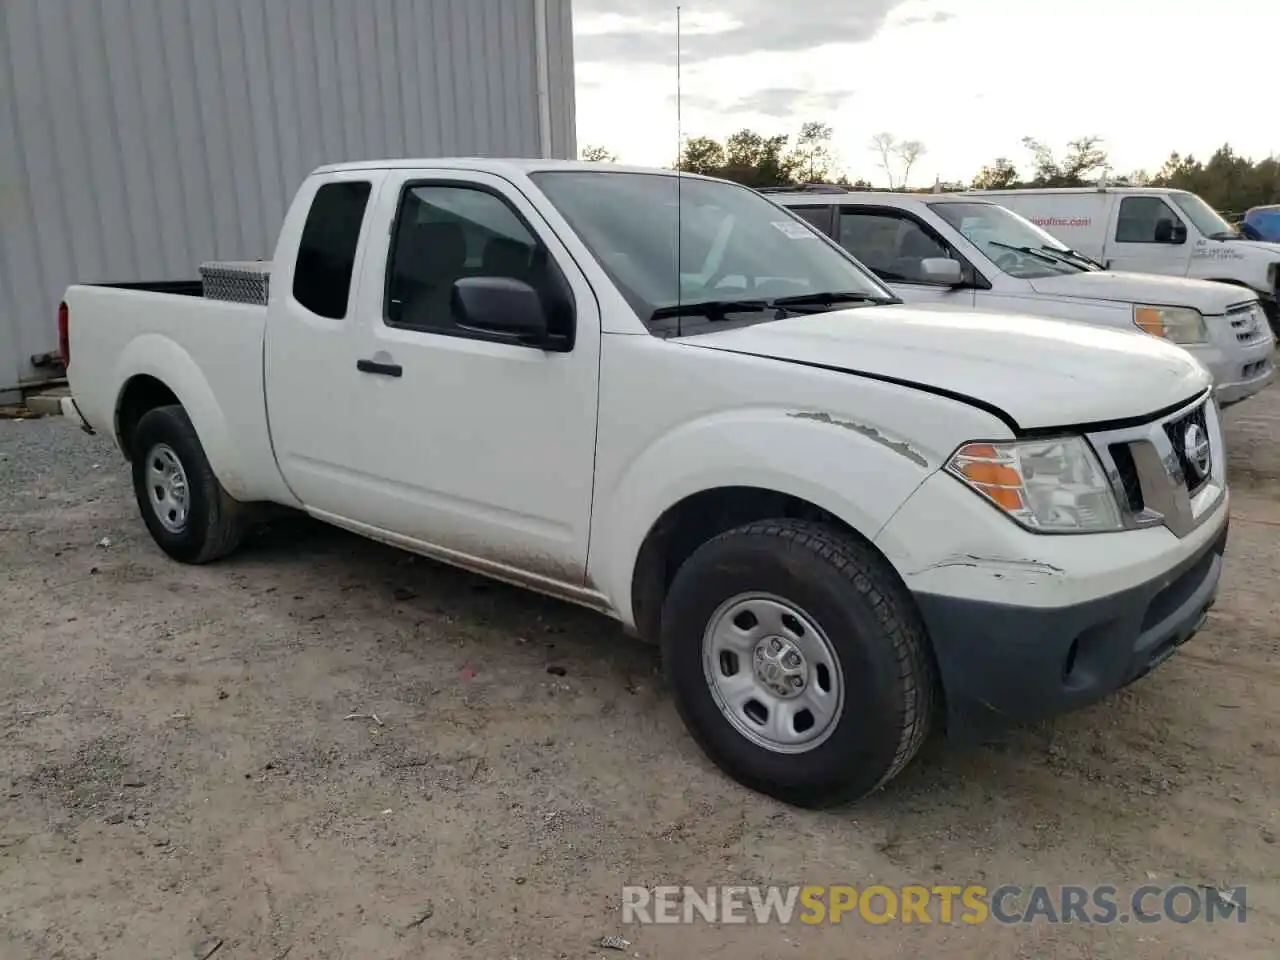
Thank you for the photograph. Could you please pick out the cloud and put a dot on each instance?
(782, 102)
(643, 31)
(788, 101)
(938, 16)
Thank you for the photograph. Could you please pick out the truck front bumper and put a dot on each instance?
(1026, 626)
(1002, 663)
(1255, 376)
(1239, 370)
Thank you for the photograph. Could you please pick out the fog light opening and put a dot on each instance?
(1070, 663)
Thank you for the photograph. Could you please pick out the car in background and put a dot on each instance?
(968, 251)
(1151, 230)
(1262, 223)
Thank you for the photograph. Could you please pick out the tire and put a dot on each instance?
(870, 645)
(201, 526)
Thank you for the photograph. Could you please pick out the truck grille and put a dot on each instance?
(1170, 471)
(1248, 322)
(1181, 434)
(1130, 484)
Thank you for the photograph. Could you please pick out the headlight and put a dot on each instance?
(1049, 486)
(1175, 324)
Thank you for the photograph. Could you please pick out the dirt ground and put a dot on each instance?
(180, 771)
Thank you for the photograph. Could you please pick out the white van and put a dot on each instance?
(1151, 230)
(967, 252)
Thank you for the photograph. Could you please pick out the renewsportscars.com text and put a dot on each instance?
(915, 904)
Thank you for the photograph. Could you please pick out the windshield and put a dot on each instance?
(1013, 243)
(734, 243)
(1202, 216)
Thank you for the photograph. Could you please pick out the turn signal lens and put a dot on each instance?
(1050, 486)
(1175, 324)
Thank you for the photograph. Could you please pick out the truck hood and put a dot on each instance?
(1035, 372)
(1204, 295)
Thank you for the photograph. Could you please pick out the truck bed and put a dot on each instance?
(238, 281)
(176, 288)
(209, 354)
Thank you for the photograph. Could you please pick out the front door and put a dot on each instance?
(1147, 236)
(893, 244)
(468, 443)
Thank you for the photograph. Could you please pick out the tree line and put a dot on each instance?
(1227, 181)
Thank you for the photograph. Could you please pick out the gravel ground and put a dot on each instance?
(184, 773)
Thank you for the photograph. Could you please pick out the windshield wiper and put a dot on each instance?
(718, 310)
(1072, 255)
(1030, 251)
(1226, 235)
(831, 298)
(711, 309)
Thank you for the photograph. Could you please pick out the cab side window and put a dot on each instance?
(1139, 218)
(892, 245)
(445, 233)
(327, 250)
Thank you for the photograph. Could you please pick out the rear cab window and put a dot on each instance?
(327, 250)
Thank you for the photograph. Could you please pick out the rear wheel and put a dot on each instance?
(189, 515)
(798, 661)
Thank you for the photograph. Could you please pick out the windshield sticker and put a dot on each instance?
(796, 231)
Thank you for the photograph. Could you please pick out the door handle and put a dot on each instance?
(385, 369)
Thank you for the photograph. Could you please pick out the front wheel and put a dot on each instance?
(190, 516)
(798, 661)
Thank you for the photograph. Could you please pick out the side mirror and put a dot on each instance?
(1169, 232)
(500, 305)
(942, 271)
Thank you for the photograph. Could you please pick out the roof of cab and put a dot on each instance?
(891, 198)
(495, 165)
(1074, 190)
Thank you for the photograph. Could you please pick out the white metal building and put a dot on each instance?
(141, 137)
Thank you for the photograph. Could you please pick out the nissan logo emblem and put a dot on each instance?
(1195, 447)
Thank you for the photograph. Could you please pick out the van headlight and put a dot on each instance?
(1175, 324)
(1048, 486)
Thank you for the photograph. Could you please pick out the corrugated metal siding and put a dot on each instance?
(139, 137)
(564, 136)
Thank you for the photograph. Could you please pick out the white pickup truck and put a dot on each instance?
(841, 516)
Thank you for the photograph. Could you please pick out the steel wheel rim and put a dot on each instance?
(167, 488)
(773, 673)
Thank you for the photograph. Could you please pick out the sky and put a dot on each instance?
(968, 78)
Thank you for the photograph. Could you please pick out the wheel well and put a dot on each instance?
(692, 522)
(141, 394)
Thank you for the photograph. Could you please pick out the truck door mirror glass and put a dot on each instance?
(1167, 231)
(942, 271)
(500, 305)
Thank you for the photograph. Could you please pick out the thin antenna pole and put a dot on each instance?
(679, 180)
